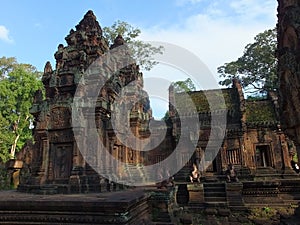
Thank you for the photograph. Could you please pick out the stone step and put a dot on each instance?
(182, 175)
(215, 194)
(266, 170)
(215, 205)
(214, 185)
(214, 189)
(215, 199)
(137, 174)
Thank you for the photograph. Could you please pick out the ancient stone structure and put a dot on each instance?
(288, 68)
(254, 139)
(57, 163)
(254, 142)
(129, 207)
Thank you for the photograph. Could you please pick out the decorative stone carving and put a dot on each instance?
(56, 155)
(60, 118)
(289, 66)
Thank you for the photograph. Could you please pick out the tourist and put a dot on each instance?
(167, 181)
(295, 166)
(195, 175)
(231, 174)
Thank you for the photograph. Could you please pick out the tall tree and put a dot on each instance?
(257, 67)
(180, 87)
(142, 52)
(184, 86)
(17, 89)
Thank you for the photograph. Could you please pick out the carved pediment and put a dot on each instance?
(60, 118)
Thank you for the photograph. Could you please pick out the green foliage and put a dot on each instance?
(295, 157)
(4, 178)
(257, 68)
(184, 86)
(260, 111)
(166, 116)
(256, 97)
(128, 32)
(142, 52)
(202, 105)
(17, 89)
(9, 64)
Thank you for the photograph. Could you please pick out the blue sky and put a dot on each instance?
(214, 30)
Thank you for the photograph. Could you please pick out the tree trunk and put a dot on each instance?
(13, 147)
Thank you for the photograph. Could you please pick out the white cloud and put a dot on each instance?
(4, 34)
(216, 40)
(218, 35)
(38, 25)
(254, 9)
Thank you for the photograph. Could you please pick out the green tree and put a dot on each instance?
(17, 89)
(142, 52)
(257, 67)
(184, 86)
(9, 64)
(179, 87)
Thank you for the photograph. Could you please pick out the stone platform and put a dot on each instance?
(127, 208)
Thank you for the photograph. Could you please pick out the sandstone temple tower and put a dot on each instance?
(57, 164)
(289, 66)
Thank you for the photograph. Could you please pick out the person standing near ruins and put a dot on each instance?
(231, 174)
(195, 174)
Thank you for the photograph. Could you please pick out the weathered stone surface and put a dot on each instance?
(253, 141)
(288, 69)
(127, 208)
(289, 61)
(57, 161)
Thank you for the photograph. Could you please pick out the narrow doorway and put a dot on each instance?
(263, 158)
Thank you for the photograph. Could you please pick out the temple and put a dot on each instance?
(57, 164)
(254, 141)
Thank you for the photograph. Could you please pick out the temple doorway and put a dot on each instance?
(263, 158)
(62, 161)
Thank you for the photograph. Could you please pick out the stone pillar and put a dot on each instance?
(289, 66)
(43, 174)
(285, 158)
(234, 195)
(13, 168)
(298, 152)
(159, 206)
(196, 193)
(76, 180)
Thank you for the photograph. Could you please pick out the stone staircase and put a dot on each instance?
(234, 196)
(266, 173)
(215, 192)
(244, 173)
(136, 174)
(183, 175)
